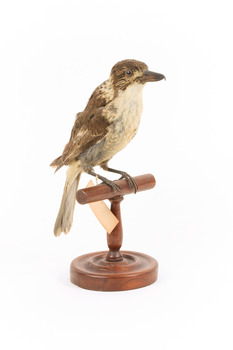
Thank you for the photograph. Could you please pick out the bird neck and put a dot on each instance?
(127, 102)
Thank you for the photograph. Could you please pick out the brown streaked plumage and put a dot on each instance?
(107, 124)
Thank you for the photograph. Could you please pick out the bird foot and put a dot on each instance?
(112, 185)
(131, 182)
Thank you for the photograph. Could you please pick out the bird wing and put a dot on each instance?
(89, 128)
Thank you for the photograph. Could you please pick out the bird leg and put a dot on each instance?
(110, 183)
(131, 182)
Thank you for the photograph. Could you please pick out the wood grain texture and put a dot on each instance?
(115, 239)
(114, 270)
(102, 191)
(93, 271)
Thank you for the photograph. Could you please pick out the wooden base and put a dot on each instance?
(93, 271)
(114, 270)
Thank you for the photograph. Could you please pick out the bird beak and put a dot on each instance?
(151, 76)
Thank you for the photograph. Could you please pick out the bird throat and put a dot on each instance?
(125, 114)
(128, 104)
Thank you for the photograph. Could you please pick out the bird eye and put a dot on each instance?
(128, 72)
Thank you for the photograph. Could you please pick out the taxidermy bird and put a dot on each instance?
(107, 124)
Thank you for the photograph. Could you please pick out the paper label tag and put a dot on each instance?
(103, 213)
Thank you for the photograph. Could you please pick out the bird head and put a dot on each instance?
(127, 72)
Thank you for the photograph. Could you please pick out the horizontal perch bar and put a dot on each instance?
(102, 191)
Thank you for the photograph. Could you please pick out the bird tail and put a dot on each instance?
(57, 163)
(65, 215)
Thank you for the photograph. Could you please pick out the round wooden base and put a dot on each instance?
(92, 271)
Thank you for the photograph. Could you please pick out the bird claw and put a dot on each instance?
(131, 182)
(112, 185)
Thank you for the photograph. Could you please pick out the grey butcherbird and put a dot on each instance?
(107, 124)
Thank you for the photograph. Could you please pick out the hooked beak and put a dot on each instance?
(151, 76)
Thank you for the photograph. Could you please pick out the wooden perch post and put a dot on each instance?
(114, 270)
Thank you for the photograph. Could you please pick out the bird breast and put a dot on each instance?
(125, 115)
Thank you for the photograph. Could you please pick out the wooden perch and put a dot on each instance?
(114, 270)
(102, 191)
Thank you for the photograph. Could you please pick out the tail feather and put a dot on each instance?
(65, 215)
(58, 163)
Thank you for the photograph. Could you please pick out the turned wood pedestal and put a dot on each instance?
(114, 270)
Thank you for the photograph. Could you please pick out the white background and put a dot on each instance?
(53, 55)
